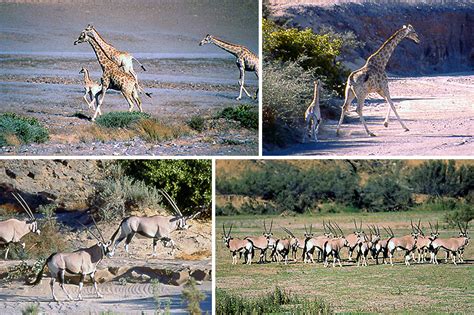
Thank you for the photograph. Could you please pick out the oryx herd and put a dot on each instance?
(365, 245)
(84, 261)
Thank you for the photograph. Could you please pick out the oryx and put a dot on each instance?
(82, 262)
(264, 242)
(316, 243)
(406, 243)
(283, 246)
(366, 244)
(334, 245)
(296, 243)
(353, 239)
(157, 227)
(382, 246)
(423, 243)
(13, 230)
(454, 245)
(237, 245)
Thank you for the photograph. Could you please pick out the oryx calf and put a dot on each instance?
(82, 262)
(157, 227)
(406, 243)
(236, 245)
(13, 230)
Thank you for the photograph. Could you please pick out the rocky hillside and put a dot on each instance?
(67, 183)
(445, 31)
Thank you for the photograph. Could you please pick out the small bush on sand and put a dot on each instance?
(16, 129)
(120, 119)
(193, 296)
(197, 123)
(152, 130)
(23, 271)
(276, 302)
(118, 193)
(31, 309)
(246, 114)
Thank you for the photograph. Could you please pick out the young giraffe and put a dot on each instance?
(246, 60)
(372, 78)
(112, 77)
(91, 88)
(122, 58)
(312, 115)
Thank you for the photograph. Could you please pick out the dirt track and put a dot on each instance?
(438, 110)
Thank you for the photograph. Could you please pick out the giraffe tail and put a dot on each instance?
(142, 91)
(139, 63)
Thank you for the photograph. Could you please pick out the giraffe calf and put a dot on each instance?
(91, 88)
(312, 115)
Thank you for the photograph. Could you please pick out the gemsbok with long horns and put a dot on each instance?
(13, 230)
(283, 246)
(316, 243)
(366, 244)
(236, 245)
(299, 243)
(453, 245)
(382, 246)
(82, 262)
(334, 245)
(406, 243)
(423, 244)
(353, 239)
(157, 227)
(263, 242)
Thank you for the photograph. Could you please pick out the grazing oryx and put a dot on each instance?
(454, 245)
(283, 246)
(91, 88)
(406, 243)
(354, 239)
(237, 245)
(263, 242)
(423, 244)
(83, 262)
(333, 246)
(157, 227)
(13, 230)
(316, 243)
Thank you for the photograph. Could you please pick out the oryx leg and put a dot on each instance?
(95, 285)
(61, 283)
(51, 284)
(81, 284)
(454, 257)
(128, 240)
(6, 252)
(407, 258)
(390, 257)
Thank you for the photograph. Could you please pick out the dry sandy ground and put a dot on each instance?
(438, 110)
(136, 296)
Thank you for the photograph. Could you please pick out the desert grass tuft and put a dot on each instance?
(16, 129)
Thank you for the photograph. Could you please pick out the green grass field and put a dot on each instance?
(419, 288)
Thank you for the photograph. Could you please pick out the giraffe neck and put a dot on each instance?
(100, 54)
(231, 48)
(87, 78)
(383, 54)
(108, 49)
(316, 94)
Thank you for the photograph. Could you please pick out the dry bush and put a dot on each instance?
(153, 130)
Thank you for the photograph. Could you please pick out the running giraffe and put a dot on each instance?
(91, 88)
(246, 60)
(372, 78)
(122, 58)
(112, 77)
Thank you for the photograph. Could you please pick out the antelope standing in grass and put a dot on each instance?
(91, 88)
(283, 246)
(333, 246)
(423, 244)
(353, 239)
(296, 243)
(157, 227)
(454, 245)
(382, 246)
(236, 245)
(367, 244)
(82, 262)
(263, 242)
(316, 243)
(13, 230)
(406, 243)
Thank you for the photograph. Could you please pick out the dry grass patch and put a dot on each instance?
(199, 255)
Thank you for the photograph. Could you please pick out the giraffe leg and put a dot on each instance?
(256, 92)
(92, 100)
(98, 101)
(137, 100)
(392, 106)
(360, 106)
(129, 99)
(87, 101)
(348, 100)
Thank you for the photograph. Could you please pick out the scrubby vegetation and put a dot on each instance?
(351, 186)
(276, 302)
(16, 130)
(293, 60)
(246, 114)
(120, 119)
(192, 296)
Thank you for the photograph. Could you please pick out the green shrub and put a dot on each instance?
(16, 129)
(276, 302)
(31, 309)
(120, 119)
(246, 114)
(197, 123)
(192, 296)
(463, 214)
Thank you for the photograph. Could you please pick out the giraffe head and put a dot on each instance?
(83, 70)
(206, 40)
(410, 33)
(85, 35)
